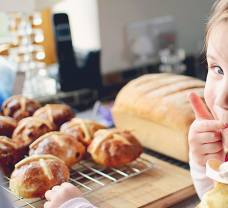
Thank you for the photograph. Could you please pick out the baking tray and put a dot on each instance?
(88, 177)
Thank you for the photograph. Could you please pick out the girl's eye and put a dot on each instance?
(217, 70)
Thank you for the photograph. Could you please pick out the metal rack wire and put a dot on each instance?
(88, 177)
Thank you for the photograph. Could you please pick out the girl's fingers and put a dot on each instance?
(198, 106)
(67, 185)
(207, 125)
(47, 204)
(49, 194)
(219, 156)
(71, 189)
(208, 137)
(211, 148)
(202, 159)
(55, 188)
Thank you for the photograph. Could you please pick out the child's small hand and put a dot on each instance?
(205, 139)
(60, 194)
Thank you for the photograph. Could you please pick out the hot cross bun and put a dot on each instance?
(55, 113)
(81, 129)
(36, 174)
(19, 107)
(62, 145)
(114, 148)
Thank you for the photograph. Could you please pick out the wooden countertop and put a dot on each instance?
(162, 186)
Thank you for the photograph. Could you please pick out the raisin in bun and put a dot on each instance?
(55, 113)
(29, 129)
(7, 152)
(114, 148)
(7, 126)
(62, 145)
(81, 129)
(36, 174)
(19, 107)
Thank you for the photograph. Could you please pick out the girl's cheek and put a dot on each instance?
(209, 95)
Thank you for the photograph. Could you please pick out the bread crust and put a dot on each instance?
(114, 148)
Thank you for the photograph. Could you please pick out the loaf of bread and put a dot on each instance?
(155, 108)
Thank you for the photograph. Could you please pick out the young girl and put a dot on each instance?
(208, 133)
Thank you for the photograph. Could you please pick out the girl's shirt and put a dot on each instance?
(201, 182)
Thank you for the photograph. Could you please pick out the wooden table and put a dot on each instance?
(162, 186)
(191, 202)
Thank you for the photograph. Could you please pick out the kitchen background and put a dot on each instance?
(82, 52)
(128, 36)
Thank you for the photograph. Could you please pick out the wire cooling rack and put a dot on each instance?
(88, 177)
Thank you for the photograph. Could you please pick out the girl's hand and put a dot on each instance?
(205, 139)
(60, 194)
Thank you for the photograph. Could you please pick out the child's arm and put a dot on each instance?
(66, 196)
(205, 142)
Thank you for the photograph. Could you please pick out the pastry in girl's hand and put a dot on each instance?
(36, 174)
(29, 129)
(19, 107)
(217, 197)
(55, 113)
(62, 145)
(83, 130)
(114, 148)
(7, 126)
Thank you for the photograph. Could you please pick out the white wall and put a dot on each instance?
(83, 17)
(191, 18)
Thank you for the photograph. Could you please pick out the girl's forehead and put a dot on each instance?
(218, 41)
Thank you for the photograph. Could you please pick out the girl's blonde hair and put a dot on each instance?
(219, 14)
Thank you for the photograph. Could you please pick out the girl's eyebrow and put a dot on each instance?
(211, 57)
